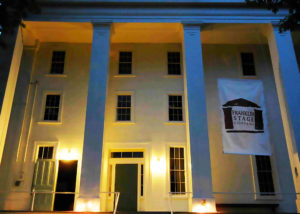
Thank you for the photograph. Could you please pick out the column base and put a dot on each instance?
(204, 205)
(87, 204)
(298, 204)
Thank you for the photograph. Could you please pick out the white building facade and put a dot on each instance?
(113, 96)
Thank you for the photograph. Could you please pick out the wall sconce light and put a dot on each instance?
(68, 154)
(158, 165)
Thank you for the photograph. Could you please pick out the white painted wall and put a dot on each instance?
(149, 131)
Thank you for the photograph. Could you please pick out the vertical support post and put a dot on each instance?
(9, 63)
(287, 79)
(94, 125)
(197, 128)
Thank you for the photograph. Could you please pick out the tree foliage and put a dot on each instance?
(12, 12)
(289, 22)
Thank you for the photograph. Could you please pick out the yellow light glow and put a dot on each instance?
(83, 205)
(68, 154)
(158, 165)
(203, 207)
(93, 206)
(80, 206)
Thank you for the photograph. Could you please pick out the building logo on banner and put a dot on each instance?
(243, 117)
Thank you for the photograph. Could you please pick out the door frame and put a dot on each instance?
(139, 161)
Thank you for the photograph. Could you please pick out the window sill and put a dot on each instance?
(49, 122)
(124, 123)
(175, 123)
(174, 76)
(179, 197)
(125, 76)
(249, 77)
(56, 75)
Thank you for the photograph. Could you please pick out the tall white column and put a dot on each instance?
(287, 78)
(197, 129)
(9, 64)
(94, 124)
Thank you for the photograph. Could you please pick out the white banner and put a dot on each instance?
(244, 121)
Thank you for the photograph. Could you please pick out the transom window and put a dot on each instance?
(124, 108)
(174, 63)
(264, 175)
(175, 108)
(58, 62)
(248, 64)
(177, 170)
(125, 63)
(127, 154)
(52, 107)
(45, 152)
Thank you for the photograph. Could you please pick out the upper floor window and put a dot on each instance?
(174, 63)
(177, 170)
(264, 175)
(58, 62)
(175, 108)
(52, 107)
(45, 152)
(124, 108)
(248, 64)
(125, 63)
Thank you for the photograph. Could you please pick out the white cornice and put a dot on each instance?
(157, 14)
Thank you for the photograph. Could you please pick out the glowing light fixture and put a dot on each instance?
(83, 205)
(158, 165)
(203, 207)
(68, 154)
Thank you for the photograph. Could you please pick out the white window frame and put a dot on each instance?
(240, 64)
(177, 145)
(166, 104)
(167, 75)
(38, 144)
(133, 64)
(132, 108)
(43, 108)
(256, 184)
(58, 47)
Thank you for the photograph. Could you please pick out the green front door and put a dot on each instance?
(126, 184)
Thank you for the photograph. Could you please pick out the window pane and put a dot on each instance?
(248, 64)
(41, 151)
(177, 171)
(125, 57)
(126, 154)
(58, 62)
(175, 108)
(138, 154)
(264, 175)
(125, 62)
(46, 152)
(124, 108)
(52, 107)
(174, 67)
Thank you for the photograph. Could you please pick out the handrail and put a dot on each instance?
(175, 193)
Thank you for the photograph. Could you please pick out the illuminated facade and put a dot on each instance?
(122, 97)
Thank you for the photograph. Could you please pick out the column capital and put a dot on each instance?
(101, 24)
(191, 25)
